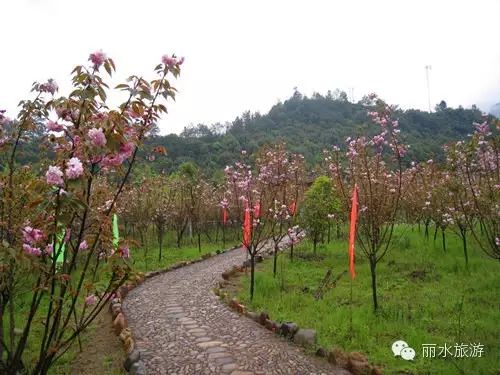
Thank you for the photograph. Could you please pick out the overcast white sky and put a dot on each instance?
(247, 55)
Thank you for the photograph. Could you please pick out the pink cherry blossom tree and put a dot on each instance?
(375, 165)
(69, 202)
(474, 165)
(265, 194)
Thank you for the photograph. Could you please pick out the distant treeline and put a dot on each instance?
(308, 126)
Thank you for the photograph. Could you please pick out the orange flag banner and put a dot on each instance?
(247, 227)
(293, 208)
(352, 231)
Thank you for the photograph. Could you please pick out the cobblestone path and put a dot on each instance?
(181, 327)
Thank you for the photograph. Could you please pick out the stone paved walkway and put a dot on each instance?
(181, 327)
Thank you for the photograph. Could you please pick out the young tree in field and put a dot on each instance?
(261, 196)
(179, 187)
(380, 187)
(280, 174)
(162, 205)
(70, 203)
(475, 168)
(319, 203)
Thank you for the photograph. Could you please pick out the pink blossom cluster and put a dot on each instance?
(53, 126)
(224, 203)
(482, 129)
(74, 169)
(99, 117)
(124, 252)
(295, 234)
(97, 58)
(171, 61)
(67, 114)
(354, 146)
(279, 211)
(125, 151)
(50, 86)
(90, 300)
(54, 176)
(83, 246)
(33, 239)
(97, 137)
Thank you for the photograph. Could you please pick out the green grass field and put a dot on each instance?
(426, 296)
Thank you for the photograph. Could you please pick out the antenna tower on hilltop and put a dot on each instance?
(427, 69)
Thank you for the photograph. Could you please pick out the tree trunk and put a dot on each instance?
(275, 258)
(463, 232)
(199, 242)
(315, 241)
(161, 245)
(1, 328)
(329, 226)
(373, 269)
(443, 239)
(436, 233)
(252, 274)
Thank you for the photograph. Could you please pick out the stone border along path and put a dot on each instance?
(181, 327)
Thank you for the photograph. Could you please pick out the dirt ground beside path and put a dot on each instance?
(102, 352)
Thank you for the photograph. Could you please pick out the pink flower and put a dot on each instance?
(170, 61)
(31, 235)
(97, 58)
(67, 236)
(90, 300)
(124, 252)
(50, 86)
(111, 161)
(100, 117)
(49, 249)
(31, 250)
(54, 126)
(126, 150)
(74, 168)
(97, 137)
(54, 176)
(83, 245)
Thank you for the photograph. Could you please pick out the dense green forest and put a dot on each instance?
(309, 125)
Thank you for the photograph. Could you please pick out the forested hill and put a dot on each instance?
(309, 125)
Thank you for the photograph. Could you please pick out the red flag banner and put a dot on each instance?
(352, 231)
(224, 215)
(256, 210)
(247, 227)
(293, 208)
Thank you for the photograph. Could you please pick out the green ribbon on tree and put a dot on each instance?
(60, 246)
(116, 234)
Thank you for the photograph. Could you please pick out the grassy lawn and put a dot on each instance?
(426, 296)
